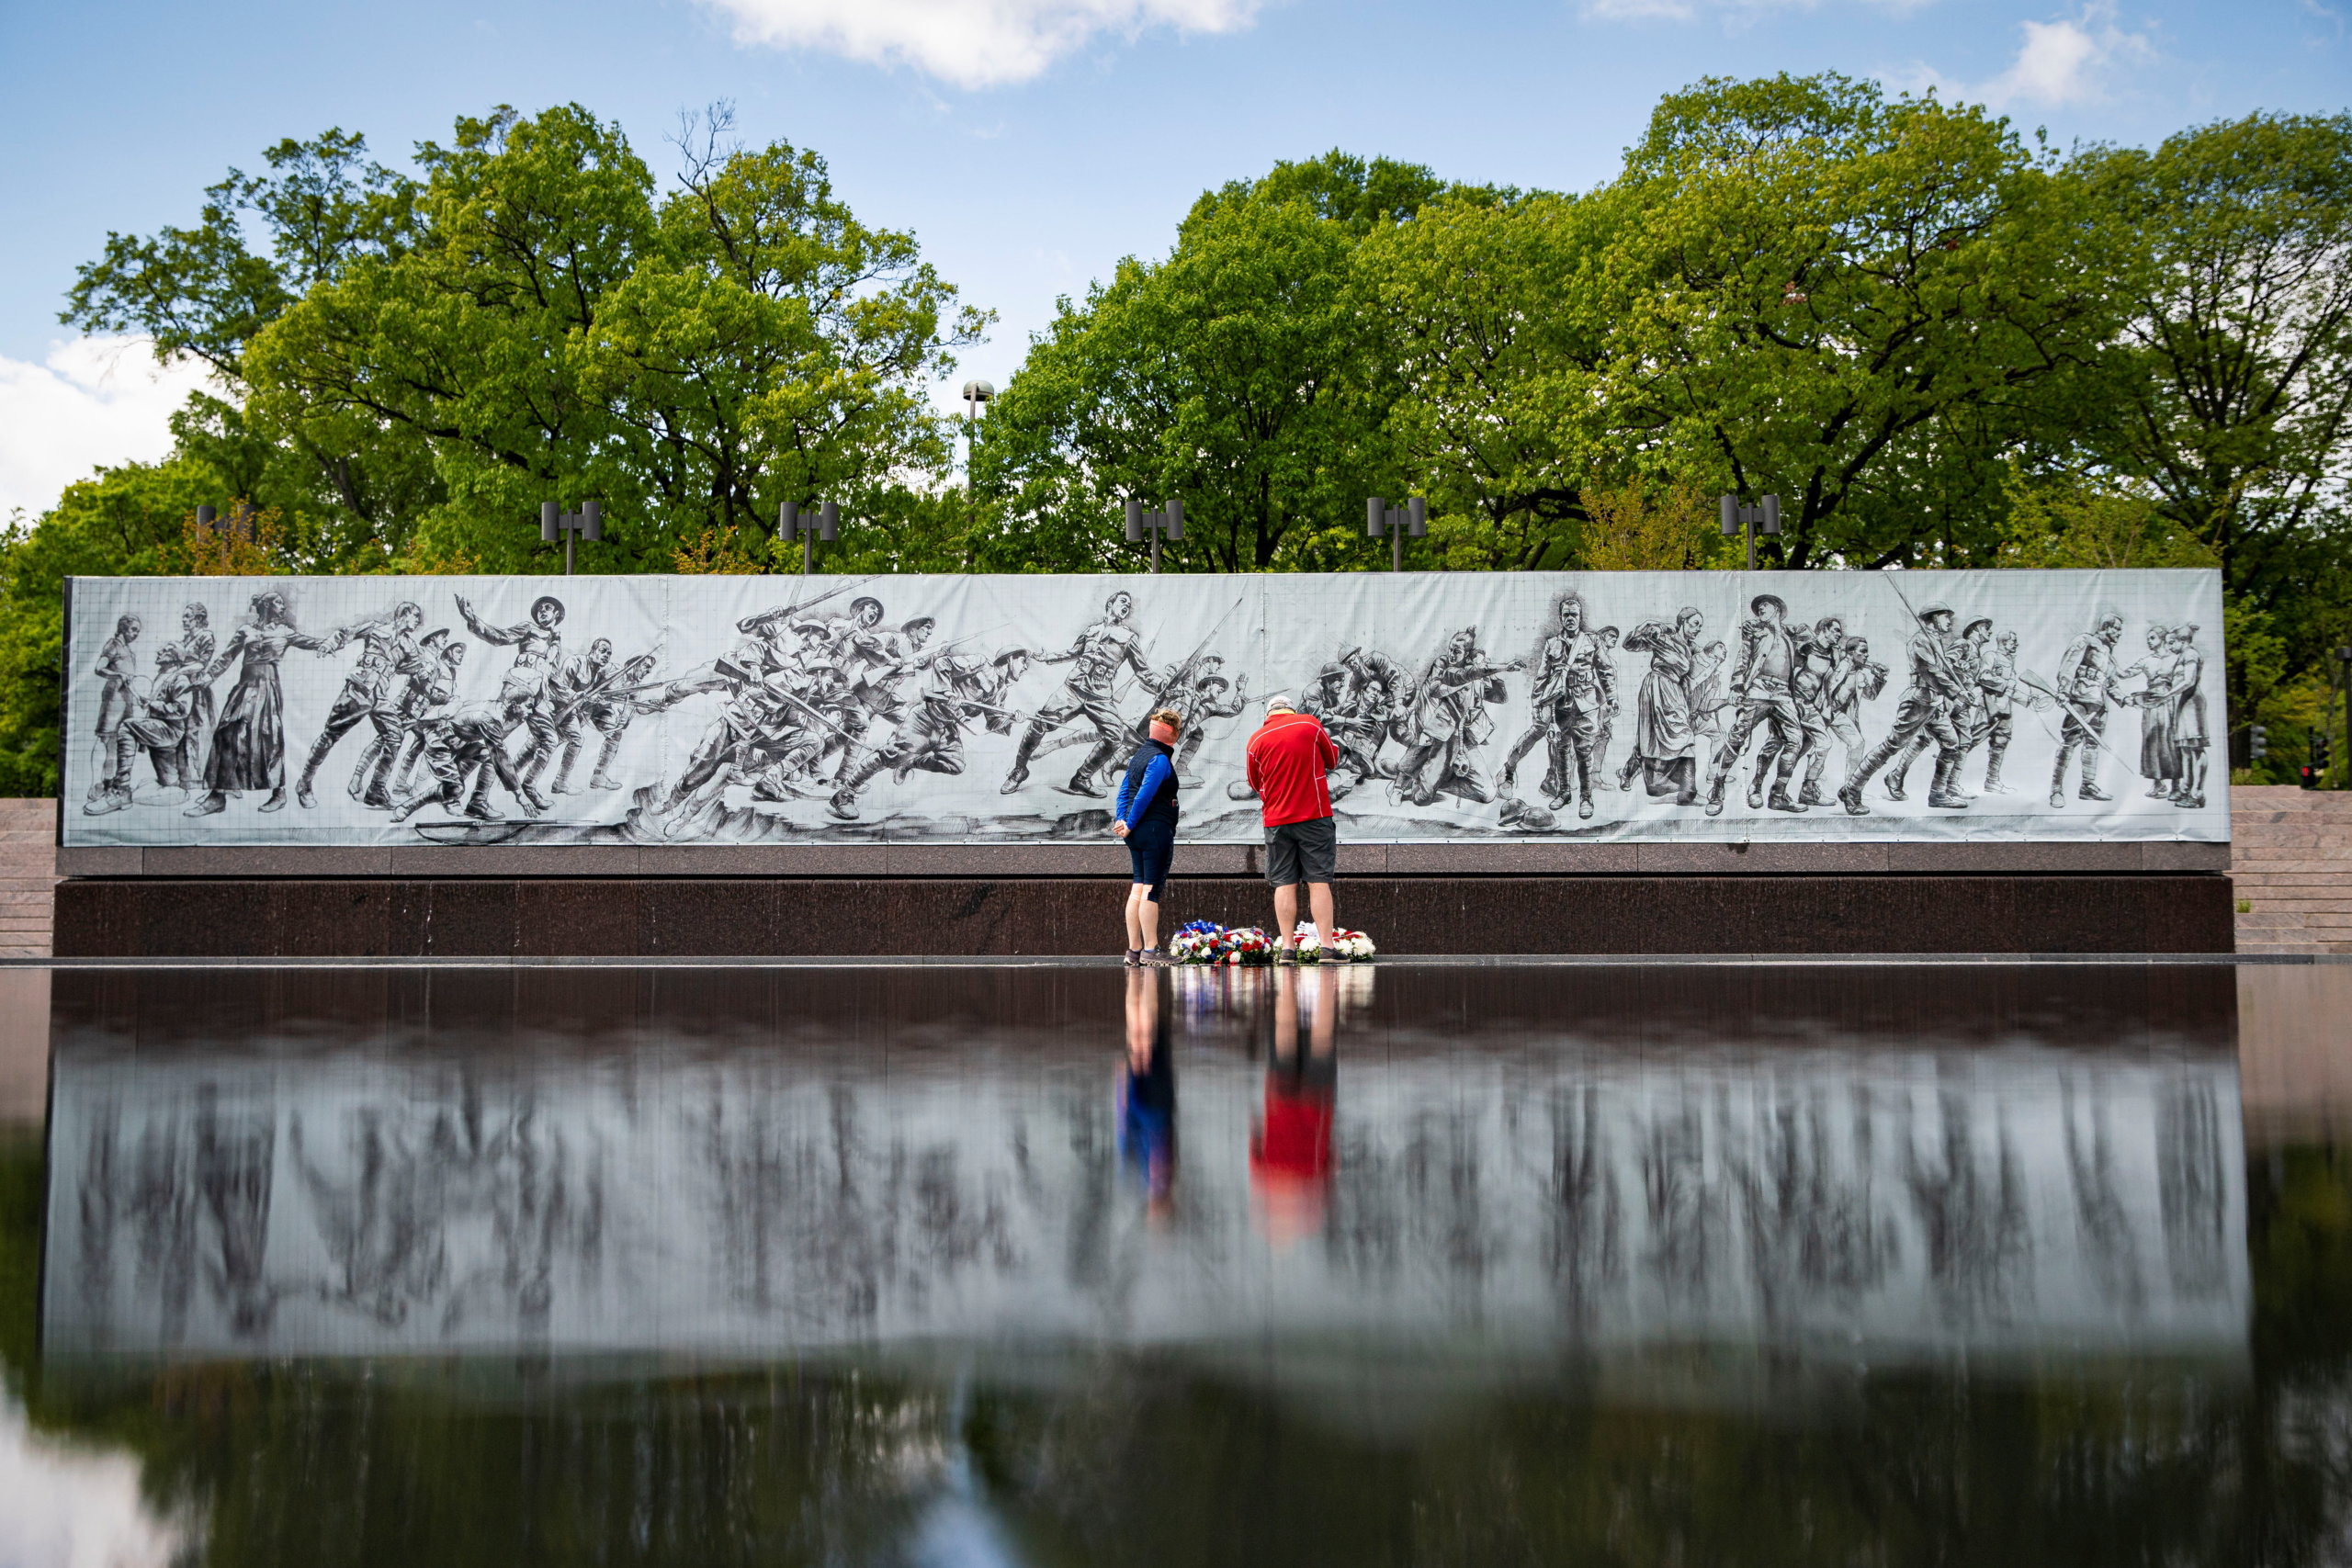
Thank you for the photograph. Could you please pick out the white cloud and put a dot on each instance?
(1734, 12)
(92, 400)
(972, 43)
(2069, 61)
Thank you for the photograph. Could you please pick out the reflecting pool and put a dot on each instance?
(1388, 1264)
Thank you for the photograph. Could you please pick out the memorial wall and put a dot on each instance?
(1629, 708)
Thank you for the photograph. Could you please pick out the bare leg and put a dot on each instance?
(1286, 914)
(1318, 902)
(1135, 907)
(1148, 916)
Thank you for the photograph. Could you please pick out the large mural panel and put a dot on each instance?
(1601, 706)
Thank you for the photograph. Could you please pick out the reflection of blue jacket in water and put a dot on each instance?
(1147, 1117)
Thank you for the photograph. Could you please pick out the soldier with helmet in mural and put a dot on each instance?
(1574, 692)
(2087, 685)
(1937, 693)
(1097, 657)
(1970, 716)
(523, 693)
(1764, 681)
(373, 690)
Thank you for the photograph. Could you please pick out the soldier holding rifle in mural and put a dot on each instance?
(2087, 684)
(523, 695)
(1938, 691)
(1097, 655)
(1764, 681)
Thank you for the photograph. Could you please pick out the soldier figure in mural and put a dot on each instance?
(1998, 678)
(1971, 715)
(426, 683)
(956, 689)
(523, 693)
(2086, 684)
(1937, 693)
(1817, 648)
(157, 725)
(373, 690)
(1450, 723)
(195, 654)
(1097, 657)
(118, 669)
(468, 742)
(1199, 691)
(591, 691)
(1764, 682)
(1673, 706)
(1574, 691)
(249, 739)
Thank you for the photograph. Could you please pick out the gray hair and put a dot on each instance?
(1277, 703)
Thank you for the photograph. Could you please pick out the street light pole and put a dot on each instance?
(588, 522)
(819, 523)
(1736, 517)
(977, 394)
(2344, 659)
(1170, 523)
(1412, 518)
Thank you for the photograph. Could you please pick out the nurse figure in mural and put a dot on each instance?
(249, 740)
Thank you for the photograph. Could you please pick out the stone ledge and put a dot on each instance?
(584, 916)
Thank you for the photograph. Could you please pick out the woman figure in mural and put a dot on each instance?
(2158, 765)
(1451, 723)
(1668, 713)
(2192, 732)
(248, 742)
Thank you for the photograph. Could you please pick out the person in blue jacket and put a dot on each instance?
(1146, 819)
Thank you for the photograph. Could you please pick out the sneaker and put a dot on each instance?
(1135, 958)
(1286, 954)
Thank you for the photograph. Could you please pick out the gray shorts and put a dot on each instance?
(1302, 852)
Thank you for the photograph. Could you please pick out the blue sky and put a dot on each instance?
(1028, 144)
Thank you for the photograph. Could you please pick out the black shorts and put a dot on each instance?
(1152, 847)
(1302, 852)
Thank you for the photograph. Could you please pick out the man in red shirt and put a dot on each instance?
(1290, 759)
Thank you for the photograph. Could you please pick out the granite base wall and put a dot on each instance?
(722, 917)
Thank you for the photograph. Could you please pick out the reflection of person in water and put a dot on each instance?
(1290, 1148)
(1148, 1095)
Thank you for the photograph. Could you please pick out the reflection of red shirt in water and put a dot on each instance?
(1290, 1157)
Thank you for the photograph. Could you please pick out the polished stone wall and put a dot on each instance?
(675, 917)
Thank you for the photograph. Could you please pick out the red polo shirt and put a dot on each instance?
(1288, 757)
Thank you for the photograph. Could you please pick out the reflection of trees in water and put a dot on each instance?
(2102, 1220)
(1584, 1248)
(2192, 1188)
(1979, 1248)
(1815, 1238)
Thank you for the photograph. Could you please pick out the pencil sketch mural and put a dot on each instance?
(1715, 705)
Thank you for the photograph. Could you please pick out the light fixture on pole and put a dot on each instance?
(1412, 518)
(817, 523)
(1170, 523)
(1764, 519)
(555, 523)
(977, 394)
(2344, 658)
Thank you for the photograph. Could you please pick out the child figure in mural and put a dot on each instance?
(1451, 723)
(249, 739)
(1097, 655)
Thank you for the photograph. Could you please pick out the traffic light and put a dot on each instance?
(2258, 743)
(2316, 773)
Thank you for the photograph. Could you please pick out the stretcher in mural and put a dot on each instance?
(1599, 707)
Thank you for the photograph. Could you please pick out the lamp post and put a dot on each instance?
(555, 523)
(1765, 519)
(977, 394)
(1412, 518)
(2344, 659)
(817, 522)
(1170, 523)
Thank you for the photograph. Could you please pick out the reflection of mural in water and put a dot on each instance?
(686, 710)
(378, 1200)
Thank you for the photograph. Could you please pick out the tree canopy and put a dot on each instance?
(1942, 343)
